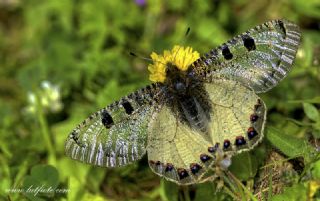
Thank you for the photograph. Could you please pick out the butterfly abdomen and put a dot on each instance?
(190, 106)
(194, 114)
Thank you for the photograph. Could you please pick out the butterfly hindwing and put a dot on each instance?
(258, 58)
(116, 135)
(174, 150)
(238, 116)
(235, 123)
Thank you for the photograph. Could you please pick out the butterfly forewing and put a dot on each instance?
(258, 58)
(117, 134)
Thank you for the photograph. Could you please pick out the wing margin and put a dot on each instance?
(260, 58)
(117, 134)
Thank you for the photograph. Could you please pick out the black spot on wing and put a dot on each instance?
(240, 141)
(226, 52)
(248, 42)
(282, 28)
(106, 119)
(254, 118)
(211, 149)
(251, 133)
(182, 173)
(75, 137)
(127, 106)
(169, 167)
(204, 158)
(195, 168)
(226, 144)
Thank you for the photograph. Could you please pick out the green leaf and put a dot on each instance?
(93, 197)
(208, 191)
(296, 193)
(289, 145)
(316, 131)
(31, 188)
(311, 111)
(41, 183)
(316, 170)
(312, 100)
(300, 123)
(170, 190)
(46, 174)
(72, 169)
(244, 166)
(77, 187)
(310, 8)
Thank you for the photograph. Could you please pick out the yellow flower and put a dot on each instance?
(314, 186)
(182, 57)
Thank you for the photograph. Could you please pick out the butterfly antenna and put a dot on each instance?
(140, 57)
(183, 41)
(144, 58)
(187, 32)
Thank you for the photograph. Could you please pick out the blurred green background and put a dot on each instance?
(63, 60)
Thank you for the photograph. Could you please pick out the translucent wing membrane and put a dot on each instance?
(173, 149)
(258, 58)
(193, 120)
(238, 116)
(117, 134)
(185, 155)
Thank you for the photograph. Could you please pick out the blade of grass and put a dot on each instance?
(45, 131)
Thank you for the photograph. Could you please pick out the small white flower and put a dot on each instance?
(45, 84)
(49, 97)
(31, 98)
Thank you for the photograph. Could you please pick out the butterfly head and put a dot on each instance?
(176, 79)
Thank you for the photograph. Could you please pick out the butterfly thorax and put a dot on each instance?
(177, 80)
(184, 93)
(187, 98)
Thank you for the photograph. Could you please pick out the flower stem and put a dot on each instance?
(45, 131)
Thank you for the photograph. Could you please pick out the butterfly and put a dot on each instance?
(197, 111)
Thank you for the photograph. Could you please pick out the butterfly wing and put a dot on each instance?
(238, 116)
(185, 155)
(116, 135)
(258, 58)
(173, 149)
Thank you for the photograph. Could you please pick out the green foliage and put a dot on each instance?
(42, 182)
(311, 111)
(289, 145)
(62, 60)
(247, 170)
(294, 193)
(316, 170)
